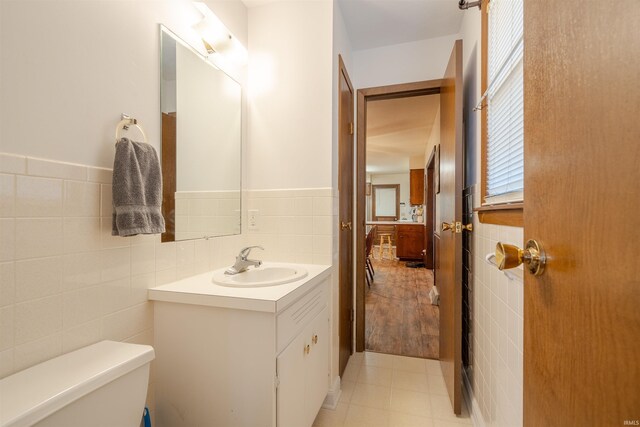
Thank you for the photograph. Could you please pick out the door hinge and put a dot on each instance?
(351, 128)
(351, 315)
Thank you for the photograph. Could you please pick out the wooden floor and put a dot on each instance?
(399, 317)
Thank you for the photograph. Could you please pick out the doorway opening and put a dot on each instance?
(398, 128)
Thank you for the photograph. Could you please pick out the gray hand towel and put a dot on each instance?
(137, 190)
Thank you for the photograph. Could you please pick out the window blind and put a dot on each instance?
(504, 95)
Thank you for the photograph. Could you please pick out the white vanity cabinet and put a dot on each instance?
(249, 359)
(303, 374)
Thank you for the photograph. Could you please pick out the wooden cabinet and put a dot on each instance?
(410, 241)
(416, 186)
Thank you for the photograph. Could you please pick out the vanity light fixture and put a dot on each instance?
(216, 37)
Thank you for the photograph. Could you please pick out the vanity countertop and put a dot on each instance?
(394, 223)
(200, 290)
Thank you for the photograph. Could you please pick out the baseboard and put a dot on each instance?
(472, 403)
(333, 395)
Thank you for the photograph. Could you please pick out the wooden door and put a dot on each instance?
(582, 175)
(345, 187)
(449, 276)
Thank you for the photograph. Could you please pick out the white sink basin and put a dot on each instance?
(260, 277)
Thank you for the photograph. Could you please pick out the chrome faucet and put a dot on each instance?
(242, 262)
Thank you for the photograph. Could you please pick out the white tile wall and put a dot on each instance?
(202, 213)
(65, 282)
(496, 374)
(294, 225)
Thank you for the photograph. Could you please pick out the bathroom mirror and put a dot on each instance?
(201, 144)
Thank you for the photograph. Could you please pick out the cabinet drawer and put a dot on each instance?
(291, 321)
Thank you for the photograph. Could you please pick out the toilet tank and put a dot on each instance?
(104, 384)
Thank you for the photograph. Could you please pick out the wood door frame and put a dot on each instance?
(373, 199)
(404, 90)
(429, 211)
(343, 262)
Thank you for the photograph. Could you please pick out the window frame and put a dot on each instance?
(510, 214)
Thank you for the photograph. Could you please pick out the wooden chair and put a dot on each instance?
(367, 260)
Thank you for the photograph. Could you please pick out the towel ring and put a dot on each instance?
(124, 125)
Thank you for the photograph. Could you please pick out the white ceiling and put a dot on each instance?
(397, 130)
(376, 23)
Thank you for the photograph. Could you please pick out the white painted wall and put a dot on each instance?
(402, 63)
(70, 68)
(290, 92)
(342, 47)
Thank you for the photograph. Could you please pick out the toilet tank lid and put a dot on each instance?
(36, 392)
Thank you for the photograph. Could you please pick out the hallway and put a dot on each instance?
(398, 314)
(381, 390)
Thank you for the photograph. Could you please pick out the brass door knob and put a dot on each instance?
(510, 256)
(345, 225)
(448, 226)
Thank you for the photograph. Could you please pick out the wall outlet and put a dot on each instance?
(252, 219)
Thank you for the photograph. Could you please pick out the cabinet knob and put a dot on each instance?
(307, 349)
(314, 339)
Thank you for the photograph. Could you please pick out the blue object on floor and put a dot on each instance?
(146, 417)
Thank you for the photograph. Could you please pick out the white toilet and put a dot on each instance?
(104, 384)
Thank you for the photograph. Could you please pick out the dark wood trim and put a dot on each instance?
(511, 214)
(345, 239)
(510, 217)
(429, 211)
(169, 174)
(403, 90)
(361, 209)
(343, 70)
(427, 87)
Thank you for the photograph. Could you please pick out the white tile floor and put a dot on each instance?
(383, 390)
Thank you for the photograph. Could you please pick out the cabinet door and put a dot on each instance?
(416, 242)
(317, 365)
(401, 244)
(416, 186)
(410, 241)
(290, 396)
